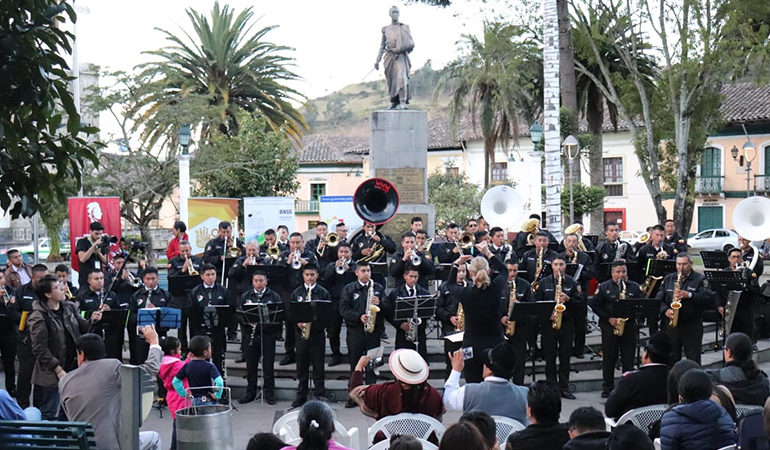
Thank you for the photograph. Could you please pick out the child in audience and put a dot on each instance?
(200, 374)
(169, 367)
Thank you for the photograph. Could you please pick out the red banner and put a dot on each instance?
(83, 211)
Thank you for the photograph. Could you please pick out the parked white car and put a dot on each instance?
(713, 240)
(632, 237)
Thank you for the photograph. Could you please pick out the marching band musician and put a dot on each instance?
(498, 247)
(120, 285)
(402, 261)
(521, 332)
(283, 237)
(90, 253)
(447, 309)
(529, 259)
(559, 341)
(416, 224)
(481, 306)
(180, 265)
(93, 298)
(451, 251)
(639, 244)
(520, 243)
(334, 278)
(695, 296)
(271, 240)
(608, 293)
(654, 247)
(353, 303)
(8, 317)
(410, 287)
(673, 238)
(209, 293)
(749, 299)
(421, 238)
(310, 350)
(363, 242)
(607, 250)
(317, 246)
(150, 295)
(62, 273)
(295, 252)
(238, 273)
(261, 341)
(214, 252)
(572, 255)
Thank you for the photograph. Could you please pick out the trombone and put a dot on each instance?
(233, 251)
(331, 239)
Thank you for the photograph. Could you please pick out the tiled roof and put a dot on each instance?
(746, 102)
(331, 149)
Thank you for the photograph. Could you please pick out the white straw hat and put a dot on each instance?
(408, 366)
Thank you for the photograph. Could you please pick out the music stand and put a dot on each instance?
(163, 318)
(574, 270)
(638, 309)
(594, 238)
(258, 315)
(715, 259)
(114, 319)
(379, 272)
(635, 272)
(554, 246)
(223, 278)
(318, 312)
(180, 285)
(533, 313)
(728, 280)
(442, 271)
(216, 316)
(421, 307)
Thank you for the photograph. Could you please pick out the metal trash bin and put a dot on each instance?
(208, 427)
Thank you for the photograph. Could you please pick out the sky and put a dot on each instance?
(335, 41)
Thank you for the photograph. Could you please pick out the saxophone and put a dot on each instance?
(510, 327)
(620, 323)
(371, 310)
(574, 256)
(621, 250)
(414, 323)
(676, 304)
(538, 269)
(559, 309)
(306, 326)
(460, 318)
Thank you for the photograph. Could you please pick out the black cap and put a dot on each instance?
(501, 360)
(660, 344)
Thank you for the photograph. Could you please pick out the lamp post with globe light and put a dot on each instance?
(184, 172)
(747, 148)
(571, 151)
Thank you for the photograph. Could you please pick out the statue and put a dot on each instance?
(396, 45)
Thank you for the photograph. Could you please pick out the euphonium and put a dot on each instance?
(460, 318)
(377, 250)
(132, 280)
(676, 304)
(621, 250)
(426, 248)
(620, 323)
(371, 310)
(190, 267)
(530, 226)
(559, 308)
(306, 325)
(510, 327)
(538, 269)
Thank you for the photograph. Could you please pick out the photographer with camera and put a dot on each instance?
(92, 253)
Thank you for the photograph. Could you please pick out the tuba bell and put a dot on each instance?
(530, 226)
(332, 239)
(376, 201)
(502, 206)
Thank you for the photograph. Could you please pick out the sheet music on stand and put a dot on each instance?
(730, 280)
(425, 307)
(715, 260)
(263, 313)
(574, 270)
(594, 238)
(660, 267)
(216, 316)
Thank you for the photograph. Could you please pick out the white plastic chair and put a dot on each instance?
(742, 409)
(384, 445)
(287, 428)
(729, 447)
(656, 443)
(417, 425)
(505, 427)
(643, 417)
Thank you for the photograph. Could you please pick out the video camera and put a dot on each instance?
(105, 241)
(375, 363)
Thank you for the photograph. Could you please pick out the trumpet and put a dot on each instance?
(273, 252)
(559, 308)
(252, 260)
(297, 263)
(306, 326)
(190, 267)
(371, 310)
(414, 258)
(676, 304)
(510, 327)
(132, 280)
(342, 267)
(620, 323)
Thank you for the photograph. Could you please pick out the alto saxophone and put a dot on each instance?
(538, 269)
(559, 309)
(460, 318)
(414, 323)
(306, 325)
(620, 323)
(371, 310)
(676, 304)
(510, 327)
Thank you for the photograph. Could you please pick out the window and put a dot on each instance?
(316, 191)
(500, 171)
(453, 171)
(722, 233)
(613, 176)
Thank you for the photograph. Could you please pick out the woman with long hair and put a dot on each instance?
(741, 375)
(316, 426)
(481, 305)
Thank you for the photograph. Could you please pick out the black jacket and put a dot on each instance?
(300, 295)
(295, 276)
(176, 263)
(361, 242)
(90, 301)
(593, 440)
(606, 251)
(589, 268)
(482, 307)
(447, 303)
(268, 296)
(692, 308)
(608, 293)
(9, 312)
(158, 298)
(523, 294)
(747, 391)
(200, 297)
(335, 282)
(528, 264)
(398, 266)
(677, 242)
(353, 305)
(547, 288)
(643, 387)
(215, 248)
(547, 436)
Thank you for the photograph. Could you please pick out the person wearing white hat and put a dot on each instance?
(409, 393)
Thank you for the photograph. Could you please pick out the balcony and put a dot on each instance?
(762, 183)
(708, 185)
(306, 206)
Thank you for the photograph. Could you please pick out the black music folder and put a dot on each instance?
(715, 260)
(319, 312)
(532, 312)
(639, 308)
(180, 285)
(660, 267)
(731, 280)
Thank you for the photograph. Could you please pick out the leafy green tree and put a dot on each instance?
(456, 199)
(586, 199)
(231, 65)
(42, 139)
(337, 110)
(255, 162)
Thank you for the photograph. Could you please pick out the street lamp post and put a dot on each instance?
(571, 145)
(184, 172)
(747, 148)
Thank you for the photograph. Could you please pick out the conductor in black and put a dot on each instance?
(310, 337)
(608, 294)
(694, 295)
(571, 295)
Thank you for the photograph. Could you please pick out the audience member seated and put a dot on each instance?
(629, 437)
(316, 426)
(642, 387)
(496, 395)
(697, 423)
(543, 410)
(404, 442)
(722, 397)
(462, 436)
(10, 409)
(486, 426)
(265, 441)
(91, 393)
(587, 430)
(748, 384)
(674, 376)
(766, 414)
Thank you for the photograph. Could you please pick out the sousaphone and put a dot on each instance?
(376, 201)
(502, 206)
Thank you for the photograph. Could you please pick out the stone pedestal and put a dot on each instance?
(398, 152)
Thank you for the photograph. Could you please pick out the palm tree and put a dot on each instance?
(498, 82)
(229, 66)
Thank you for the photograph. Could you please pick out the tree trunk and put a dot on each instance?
(489, 148)
(567, 79)
(595, 118)
(553, 170)
(144, 231)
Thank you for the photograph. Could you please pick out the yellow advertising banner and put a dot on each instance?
(204, 215)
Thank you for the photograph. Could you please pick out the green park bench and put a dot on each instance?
(46, 435)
